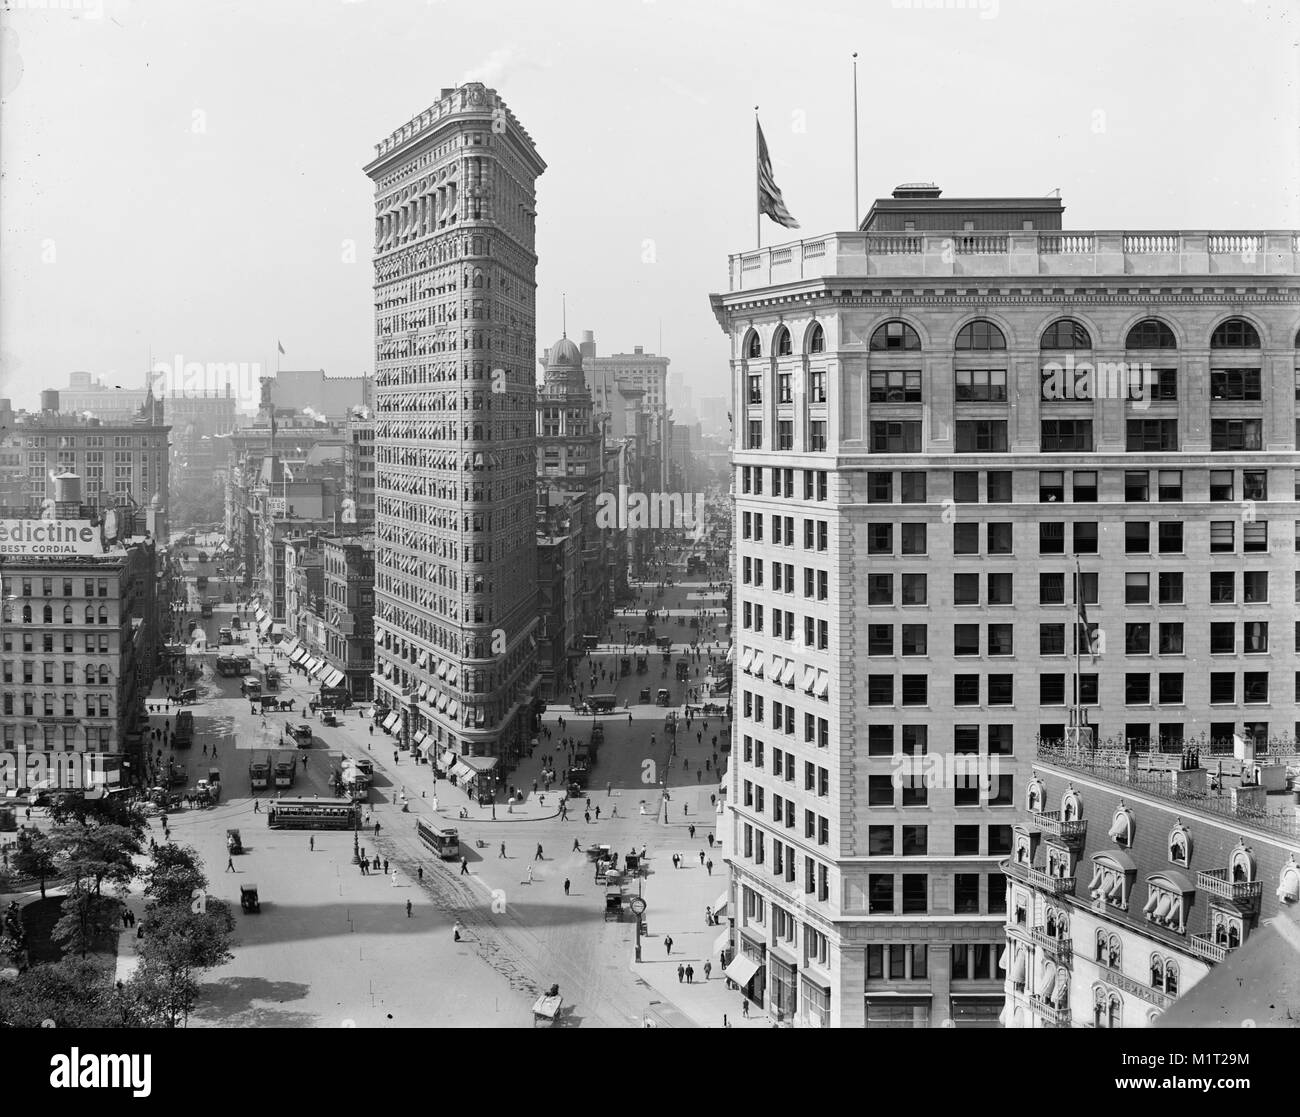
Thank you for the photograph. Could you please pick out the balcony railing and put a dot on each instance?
(1019, 254)
(1051, 1016)
(1057, 886)
(1059, 947)
(1215, 882)
(1203, 946)
(1073, 830)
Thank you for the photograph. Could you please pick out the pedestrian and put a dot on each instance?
(372, 729)
(744, 1009)
(675, 862)
(708, 969)
(710, 839)
(708, 917)
(503, 851)
(690, 975)
(419, 870)
(394, 756)
(376, 827)
(385, 866)
(566, 886)
(587, 815)
(668, 944)
(464, 866)
(394, 877)
(539, 852)
(681, 972)
(230, 864)
(456, 931)
(311, 844)
(597, 812)
(576, 847)
(408, 909)
(709, 865)
(691, 830)
(701, 857)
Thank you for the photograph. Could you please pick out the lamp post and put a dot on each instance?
(356, 834)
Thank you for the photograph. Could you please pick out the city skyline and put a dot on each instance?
(220, 191)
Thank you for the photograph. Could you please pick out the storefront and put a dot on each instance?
(815, 1003)
(785, 985)
(972, 1010)
(477, 777)
(749, 969)
(885, 1010)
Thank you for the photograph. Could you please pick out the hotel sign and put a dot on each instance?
(40, 538)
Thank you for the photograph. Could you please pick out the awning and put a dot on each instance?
(442, 669)
(308, 662)
(1018, 968)
(453, 673)
(722, 942)
(335, 677)
(392, 719)
(290, 646)
(442, 702)
(747, 659)
(731, 654)
(424, 658)
(299, 654)
(264, 625)
(1061, 984)
(720, 904)
(447, 759)
(1119, 827)
(809, 679)
(1165, 902)
(823, 684)
(742, 969)
(787, 673)
(1289, 890)
(1002, 958)
(424, 689)
(277, 629)
(774, 667)
(419, 737)
(453, 708)
(756, 668)
(463, 771)
(429, 747)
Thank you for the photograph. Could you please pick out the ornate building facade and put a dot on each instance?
(455, 438)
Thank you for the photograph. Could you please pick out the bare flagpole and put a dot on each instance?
(758, 211)
(856, 209)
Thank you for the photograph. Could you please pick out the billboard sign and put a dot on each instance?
(46, 538)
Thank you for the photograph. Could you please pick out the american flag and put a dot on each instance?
(770, 201)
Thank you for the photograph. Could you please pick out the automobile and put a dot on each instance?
(644, 696)
(663, 697)
(329, 717)
(202, 785)
(248, 899)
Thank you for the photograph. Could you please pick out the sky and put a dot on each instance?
(183, 177)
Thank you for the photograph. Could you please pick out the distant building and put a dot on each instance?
(327, 397)
(348, 611)
(359, 469)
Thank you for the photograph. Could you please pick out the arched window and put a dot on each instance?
(1150, 333)
(753, 347)
(1101, 946)
(1114, 1011)
(27, 614)
(103, 614)
(103, 674)
(1066, 333)
(894, 335)
(90, 674)
(47, 615)
(67, 614)
(90, 614)
(816, 339)
(1171, 978)
(1235, 333)
(781, 343)
(980, 335)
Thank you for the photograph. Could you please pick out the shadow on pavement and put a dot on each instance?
(229, 1002)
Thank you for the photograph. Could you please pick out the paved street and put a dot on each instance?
(322, 951)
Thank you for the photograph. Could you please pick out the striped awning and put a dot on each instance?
(747, 659)
(787, 673)
(424, 658)
(321, 667)
(264, 625)
(310, 663)
(823, 684)
(392, 719)
(299, 654)
(335, 677)
(419, 737)
(453, 673)
(290, 646)
(442, 669)
(442, 702)
(424, 689)
(453, 708)
(447, 759)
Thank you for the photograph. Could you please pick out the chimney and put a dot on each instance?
(588, 345)
(49, 400)
(638, 350)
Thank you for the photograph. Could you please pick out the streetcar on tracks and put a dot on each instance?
(312, 814)
(444, 841)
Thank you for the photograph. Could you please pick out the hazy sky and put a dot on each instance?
(184, 176)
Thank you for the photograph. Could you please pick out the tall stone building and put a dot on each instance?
(455, 439)
(959, 428)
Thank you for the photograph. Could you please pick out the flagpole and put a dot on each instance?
(856, 210)
(1078, 607)
(758, 211)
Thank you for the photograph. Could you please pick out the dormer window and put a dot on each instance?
(1110, 951)
(1169, 895)
(1121, 827)
(1164, 974)
(1071, 806)
(1180, 844)
(1035, 796)
(1288, 889)
(1112, 878)
(1107, 1008)
(1241, 864)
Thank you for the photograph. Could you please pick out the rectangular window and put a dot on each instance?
(1236, 434)
(1151, 435)
(896, 438)
(1065, 435)
(1171, 638)
(1137, 538)
(1051, 589)
(998, 484)
(1254, 536)
(1137, 639)
(981, 386)
(1136, 485)
(1254, 586)
(1223, 687)
(914, 639)
(916, 841)
(1170, 485)
(1000, 589)
(966, 690)
(912, 539)
(981, 436)
(1241, 384)
(1222, 536)
(896, 387)
(1170, 537)
(911, 485)
(966, 639)
(880, 488)
(965, 589)
(1137, 588)
(999, 539)
(1085, 537)
(880, 893)
(966, 486)
(1051, 639)
(1051, 537)
(966, 893)
(1171, 688)
(915, 898)
(880, 839)
(1171, 587)
(1051, 487)
(965, 539)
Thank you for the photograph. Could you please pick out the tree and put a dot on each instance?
(110, 810)
(178, 945)
(13, 937)
(36, 857)
(86, 919)
(74, 993)
(95, 853)
(173, 876)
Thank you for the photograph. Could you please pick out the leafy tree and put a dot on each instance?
(13, 937)
(179, 944)
(173, 876)
(36, 857)
(110, 810)
(86, 919)
(74, 993)
(95, 853)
